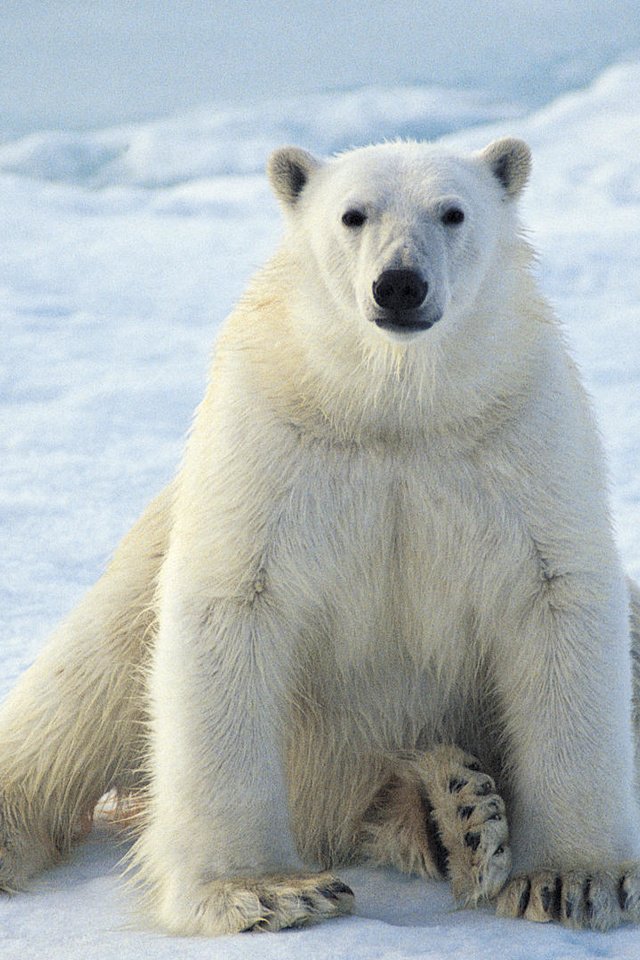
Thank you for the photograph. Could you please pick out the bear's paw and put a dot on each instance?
(596, 900)
(267, 903)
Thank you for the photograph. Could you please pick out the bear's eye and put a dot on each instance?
(452, 217)
(353, 218)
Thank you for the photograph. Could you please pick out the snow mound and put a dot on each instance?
(212, 142)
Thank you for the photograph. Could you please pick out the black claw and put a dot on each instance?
(262, 924)
(341, 887)
(623, 896)
(568, 908)
(456, 784)
(525, 896)
(588, 902)
(557, 898)
(475, 766)
(327, 891)
(552, 898)
(484, 789)
(465, 812)
(332, 891)
(267, 903)
(472, 840)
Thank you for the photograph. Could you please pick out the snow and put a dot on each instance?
(123, 249)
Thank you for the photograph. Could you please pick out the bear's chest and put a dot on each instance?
(392, 545)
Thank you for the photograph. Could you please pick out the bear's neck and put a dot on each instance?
(466, 375)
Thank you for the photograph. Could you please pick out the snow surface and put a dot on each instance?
(122, 251)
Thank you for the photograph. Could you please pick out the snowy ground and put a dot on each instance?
(122, 252)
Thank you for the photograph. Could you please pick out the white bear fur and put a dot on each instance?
(376, 541)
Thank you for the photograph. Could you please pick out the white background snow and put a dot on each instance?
(132, 214)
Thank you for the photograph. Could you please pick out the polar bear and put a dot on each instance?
(379, 615)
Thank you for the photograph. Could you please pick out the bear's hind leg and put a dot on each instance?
(73, 728)
(440, 816)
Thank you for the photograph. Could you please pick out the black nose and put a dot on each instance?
(399, 290)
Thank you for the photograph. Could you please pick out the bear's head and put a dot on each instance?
(401, 236)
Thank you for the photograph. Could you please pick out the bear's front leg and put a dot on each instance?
(565, 692)
(218, 852)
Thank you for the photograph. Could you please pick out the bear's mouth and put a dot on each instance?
(404, 321)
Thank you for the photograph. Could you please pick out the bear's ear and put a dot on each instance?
(289, 169)
(510, 162)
